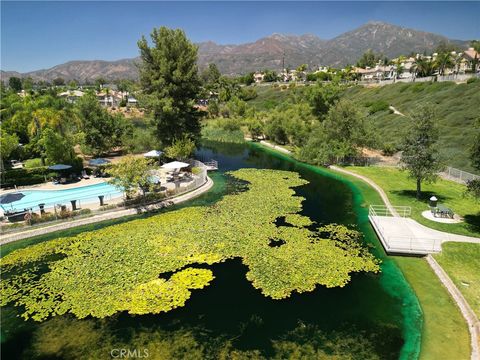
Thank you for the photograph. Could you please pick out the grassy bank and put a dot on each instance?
(445, 334)
(401, 191)
(462, 263)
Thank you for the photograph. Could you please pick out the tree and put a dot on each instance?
(58, 81)
(56, 148)
(473, 188)
(15, 84)
(181, 149)
(27, 84)
(8, 144)
(130, 174)
(368, 59)
(102, 131)
(444, 61)
(248, 79)
(170, 84)
(211, 74)
(270, 76)
(420, 155)
(255, 128)
(341, 135)
(321, 97)
(424, 67)
(99, 82)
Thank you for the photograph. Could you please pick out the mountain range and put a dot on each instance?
(271, 52)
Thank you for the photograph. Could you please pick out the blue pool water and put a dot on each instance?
(83, 194)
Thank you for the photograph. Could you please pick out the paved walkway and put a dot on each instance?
(5, 239)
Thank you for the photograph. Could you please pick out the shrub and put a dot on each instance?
(378, 106)
(33, 163)
(24, 177)
(388, 149)
(472, 80)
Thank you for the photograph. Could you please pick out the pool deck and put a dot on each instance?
(52, 186)
(8, 238)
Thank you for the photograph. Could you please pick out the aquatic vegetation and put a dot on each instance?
(94, 340)
(145, 265)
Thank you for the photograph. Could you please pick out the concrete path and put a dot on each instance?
(395, 111)
(5, 239)
(276, 147)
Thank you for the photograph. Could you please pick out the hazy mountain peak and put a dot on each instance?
(271, 52)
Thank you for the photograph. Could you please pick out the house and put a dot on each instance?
(322, 69)
(72, 95)
(258, 77)
(470, 60)
(378, 72)
(292, 75)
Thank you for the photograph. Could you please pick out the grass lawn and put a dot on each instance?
(462, 263)
(401, 191)
(445, 334)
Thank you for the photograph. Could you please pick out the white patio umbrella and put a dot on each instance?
(153, 153)
(174, 165)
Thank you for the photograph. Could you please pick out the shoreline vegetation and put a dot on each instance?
(443, 337)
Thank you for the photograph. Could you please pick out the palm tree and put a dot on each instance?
(444, 61)
(425, 67)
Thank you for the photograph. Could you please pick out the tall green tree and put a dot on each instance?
(15, 83)
(56, 148)
(59, 81)
(340, 136)
(369, 58)
(170, 84)
(211, 74)
(321, 97)
(420, 154)
(102, 131)
(8, 144)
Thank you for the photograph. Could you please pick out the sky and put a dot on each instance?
(40, 34)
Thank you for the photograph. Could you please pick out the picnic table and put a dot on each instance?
(443, 211)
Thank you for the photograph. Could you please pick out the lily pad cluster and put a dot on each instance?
(151, 265)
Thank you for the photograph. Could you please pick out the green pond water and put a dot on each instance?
(373, 317)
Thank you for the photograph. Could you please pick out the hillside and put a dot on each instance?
(268, 53)
(457, 108)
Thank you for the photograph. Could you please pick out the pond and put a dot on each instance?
(376, 316)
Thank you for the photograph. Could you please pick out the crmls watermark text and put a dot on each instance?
(129, 353)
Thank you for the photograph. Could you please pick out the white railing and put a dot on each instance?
(400, 243)
(211, 164)
(383, 210)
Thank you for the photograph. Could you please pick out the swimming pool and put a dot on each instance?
(83, 195)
